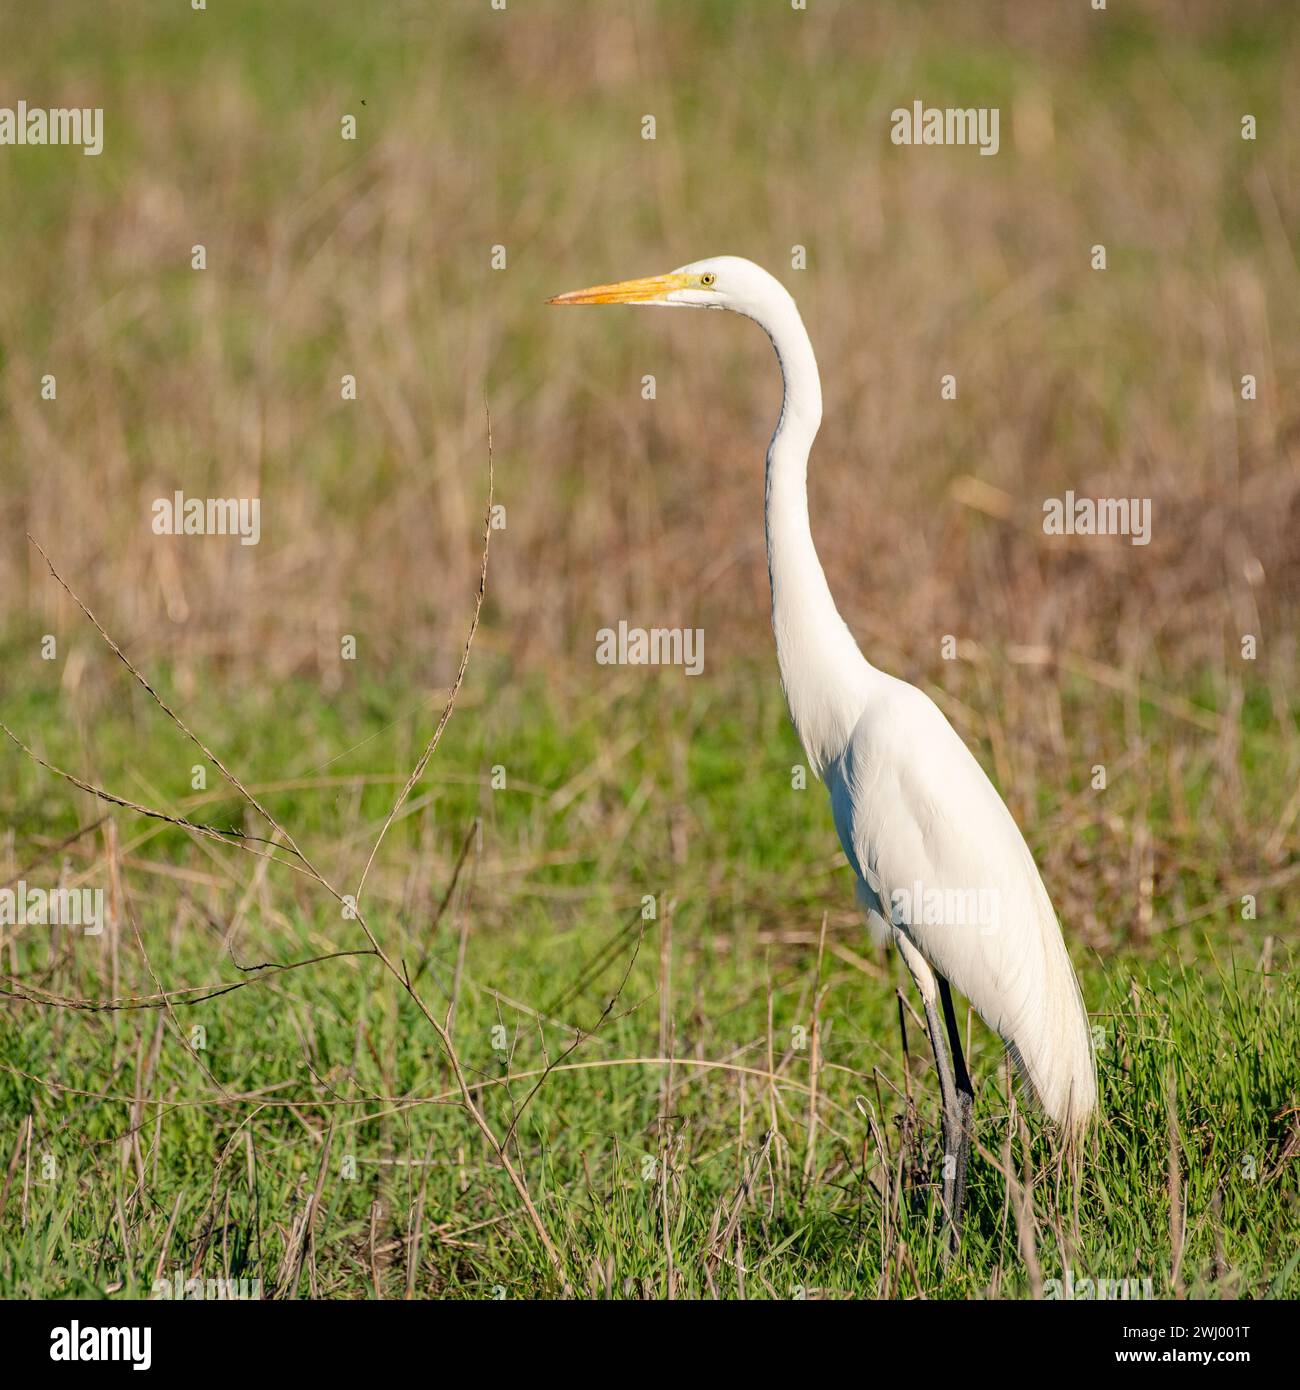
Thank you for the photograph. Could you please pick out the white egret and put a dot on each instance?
(942, 869)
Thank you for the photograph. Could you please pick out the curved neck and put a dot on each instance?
(823, 673)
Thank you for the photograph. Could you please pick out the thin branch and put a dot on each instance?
(353, 908)
(423, 760)
(227, 836)
(166, 709)
(159, 1001)
(578, 1041)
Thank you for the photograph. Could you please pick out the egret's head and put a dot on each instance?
(722, 282)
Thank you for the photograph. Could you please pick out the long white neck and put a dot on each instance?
(824, 675)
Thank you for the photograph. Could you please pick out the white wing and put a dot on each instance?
(939, 857)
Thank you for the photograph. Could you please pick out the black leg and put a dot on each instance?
(956, 1093)
(951, 1126)
(964, 1104)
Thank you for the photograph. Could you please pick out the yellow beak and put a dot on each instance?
(652, 290)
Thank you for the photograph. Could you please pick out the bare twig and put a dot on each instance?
(423, 760)
(578, 1041)
(227, 835)
(161, 1000)
(352, 906)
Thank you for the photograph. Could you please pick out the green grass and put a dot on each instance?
(329, 1074)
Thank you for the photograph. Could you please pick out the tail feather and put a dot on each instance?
(1052, 1049)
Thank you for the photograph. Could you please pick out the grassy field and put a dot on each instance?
(734, 1104)
(607, 1022)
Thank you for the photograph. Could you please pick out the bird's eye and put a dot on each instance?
(707, 279)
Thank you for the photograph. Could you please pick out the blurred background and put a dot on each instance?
(498, 160)
(478, 128)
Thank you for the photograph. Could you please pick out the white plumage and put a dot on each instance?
(912, 806)
(942, 868)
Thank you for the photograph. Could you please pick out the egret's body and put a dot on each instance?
(921, 824)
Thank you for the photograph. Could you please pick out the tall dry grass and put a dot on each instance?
(523, 129)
